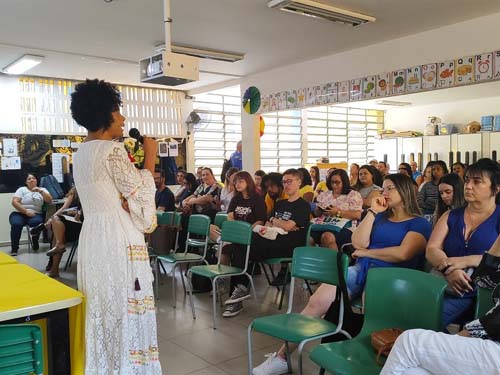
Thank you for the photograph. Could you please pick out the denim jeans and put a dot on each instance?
(17, 222)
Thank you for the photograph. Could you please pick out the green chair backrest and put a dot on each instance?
(403, 298)
(235, 231)
(199, 224)
(219, 219)
(177, 219)
(317, 264)
(21, 349)
(165, 218)
(484, 302)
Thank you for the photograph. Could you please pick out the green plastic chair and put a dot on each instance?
(21, 349)
(163, 218)
(484, 302)
(198, 225)
(395, 298)
(219, 219)
(309, 263)
(236, 232)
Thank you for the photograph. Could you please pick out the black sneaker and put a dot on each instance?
(34, 241)
(13, 252)
(232, 310)
(240, 293)
(35, 231)
(280, 278)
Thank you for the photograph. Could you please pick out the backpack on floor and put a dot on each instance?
(50, 183)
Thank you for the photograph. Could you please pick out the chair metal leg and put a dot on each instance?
(288, 357)
(266, 274)
(321, 371)
(249, 343)
(190, 293)
(309, 287)
(299, 352)
(252, 287)
(182, 278)
(283, 288)
(71, 255)
(163, 268)
(174, 294)
(214, 301)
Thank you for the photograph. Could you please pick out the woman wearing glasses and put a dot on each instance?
(392, 234)
(340, 201)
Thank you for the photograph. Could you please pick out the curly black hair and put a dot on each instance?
(92, 103)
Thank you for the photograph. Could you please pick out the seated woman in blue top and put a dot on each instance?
(392, 234)
(462, 235)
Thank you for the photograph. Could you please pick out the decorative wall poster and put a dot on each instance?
(483, 67)
(162, 149)
(301, 98)
(429, 76)
(331, 93)
(11, 163)
(310, 95)
(398, 81)
(273, 102)
(57, 165)
(9, 147)
(355, 93)
(291, 99)
(173, 148)
(320, 96)
(369, 87)
(282, 100)
(496, 66)
(414, 79)
(265, 104)
(383, 87)
(343, 91)
(464, 70)
(446, 73)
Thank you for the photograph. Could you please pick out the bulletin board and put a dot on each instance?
(35, 154)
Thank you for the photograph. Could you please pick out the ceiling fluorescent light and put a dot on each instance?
(393, 103)
(208, 53)
(23, 64)
(316, 9)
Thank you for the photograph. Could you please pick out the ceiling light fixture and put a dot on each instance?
(23, 64)
(393, 103)
(315, 9)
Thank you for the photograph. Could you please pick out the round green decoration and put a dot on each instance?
(251, 100)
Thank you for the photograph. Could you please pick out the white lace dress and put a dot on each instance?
(114, 272)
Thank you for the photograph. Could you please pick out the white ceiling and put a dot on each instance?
(124, 31)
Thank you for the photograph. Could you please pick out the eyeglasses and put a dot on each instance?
(388, 189)
(289, 181)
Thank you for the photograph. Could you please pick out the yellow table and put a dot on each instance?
(6, 259)
(27, 295)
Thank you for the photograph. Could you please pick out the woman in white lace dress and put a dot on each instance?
(114, 272)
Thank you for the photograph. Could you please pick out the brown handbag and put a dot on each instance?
(383, 341)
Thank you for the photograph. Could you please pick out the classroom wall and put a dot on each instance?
(452, 41)
(459, 112)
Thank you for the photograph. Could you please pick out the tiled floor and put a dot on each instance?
(190, 346)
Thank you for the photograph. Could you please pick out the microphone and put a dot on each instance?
(136, 134)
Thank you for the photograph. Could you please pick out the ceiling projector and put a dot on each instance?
(168, 68)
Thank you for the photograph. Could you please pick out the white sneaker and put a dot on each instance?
(273, 365)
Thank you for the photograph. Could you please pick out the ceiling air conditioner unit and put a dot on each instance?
(316, 9)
